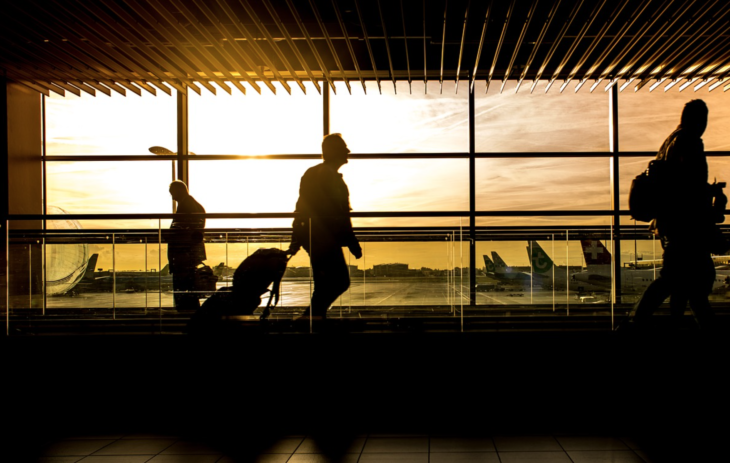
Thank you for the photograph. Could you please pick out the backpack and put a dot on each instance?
(648, 192)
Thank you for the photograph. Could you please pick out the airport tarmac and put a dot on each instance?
(368, 292)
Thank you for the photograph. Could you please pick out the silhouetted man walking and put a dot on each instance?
(687, 227)
(323, 226)
(185, 249)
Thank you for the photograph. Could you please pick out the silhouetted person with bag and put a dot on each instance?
(185, 248)
(322, 225)
(686, 225)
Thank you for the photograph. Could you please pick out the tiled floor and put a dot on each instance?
(363, 448)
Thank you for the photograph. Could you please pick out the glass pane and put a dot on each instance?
(539, 121)
(647, 118)
(641, 263)
(375, 185)
(137, 187)
(533, 272)
(544, 221)
(401, 278)
(398, 121)
(119, 125)
(256, 123)
(543, 184)
(629, 168)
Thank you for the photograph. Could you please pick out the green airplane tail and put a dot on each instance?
(539, 260)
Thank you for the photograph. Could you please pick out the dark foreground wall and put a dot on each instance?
(655, 387)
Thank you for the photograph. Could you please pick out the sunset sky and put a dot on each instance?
(391, 122)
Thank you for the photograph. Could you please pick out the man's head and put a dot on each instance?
(334, 149)
(694, 117)
(178, 190)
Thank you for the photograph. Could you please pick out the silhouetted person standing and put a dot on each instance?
(323, 226)
(687, 225)
(185, 249)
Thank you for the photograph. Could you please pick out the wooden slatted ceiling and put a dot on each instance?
(140, 46)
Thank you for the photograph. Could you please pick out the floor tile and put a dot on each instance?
(136, 447)
(185, 459)
(58, 459)
(526, 444)
(96, 436)
(117, 458)
(630, 442)
(317, 458)
(591, 443)
(150, 436)
(534, 457)
(285, 445)
(81, 447)
(190, 448)
(271, 458)
(446, 444)
(310, 446)
(645, 456)
(604, 456)
(395, 445)
(393, 458)
(465, 457)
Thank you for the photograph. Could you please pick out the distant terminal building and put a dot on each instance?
(354, 271)
(391, 270)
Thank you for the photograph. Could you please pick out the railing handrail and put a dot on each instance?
(288, 215)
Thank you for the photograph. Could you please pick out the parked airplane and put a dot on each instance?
(501, 276)
(551, 276)
(633, 280)
(105, 281)
(505, 272)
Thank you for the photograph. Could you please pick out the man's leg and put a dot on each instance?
(703, 277)
(183, 281)
(652, 298)
(331, 278)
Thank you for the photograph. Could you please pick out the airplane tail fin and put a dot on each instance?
(489, 264)
(165, 270)
(498, 262)
(595, 253)
(539, 260)
(91, 266)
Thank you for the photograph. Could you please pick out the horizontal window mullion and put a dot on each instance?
(284, 157)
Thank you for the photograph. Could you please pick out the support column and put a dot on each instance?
(4, 201)
(182, 136)
(472, 200)
(325, 110)
(23, 159)
(615, 196)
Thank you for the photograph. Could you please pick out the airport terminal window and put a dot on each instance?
(647, 118)
(408, 184)
(256, 123)
(539, 121)
(630, 167)
(529, 272)
(388, 123)
(535, 184)
(113, 125)
(397, 121)
(116, 187)
(247, 185)
(544, 221)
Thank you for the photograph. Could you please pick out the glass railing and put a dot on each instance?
(69, 279)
